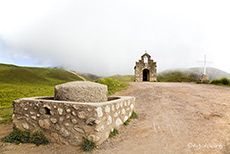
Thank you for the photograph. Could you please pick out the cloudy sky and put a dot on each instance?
(106, 37)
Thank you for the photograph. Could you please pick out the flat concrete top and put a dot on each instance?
(81, 84)
(52, 100)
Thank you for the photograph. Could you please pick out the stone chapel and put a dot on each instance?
(145, 69)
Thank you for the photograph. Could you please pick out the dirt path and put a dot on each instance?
(173, 118)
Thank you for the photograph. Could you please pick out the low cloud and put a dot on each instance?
(107, 37)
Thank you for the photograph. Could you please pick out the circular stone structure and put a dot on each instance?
(81, 91)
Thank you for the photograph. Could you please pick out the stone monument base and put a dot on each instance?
(68, 122)
(204, 79)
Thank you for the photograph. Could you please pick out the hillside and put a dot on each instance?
(18, 82)
(176, 76)
(34, 75)
(196, 72)
(123, 78)
(92, 77)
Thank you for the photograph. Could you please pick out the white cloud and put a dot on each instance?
(107, 37)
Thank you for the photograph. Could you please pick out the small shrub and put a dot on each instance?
(17, 136)
(225, 81)
(134, 115)
(222, 81)
(88, 145)
(38, 138)
(126, 122)
(214, 82)
(113, 133)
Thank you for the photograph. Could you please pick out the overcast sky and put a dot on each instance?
(107, 37)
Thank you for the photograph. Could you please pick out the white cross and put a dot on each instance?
(205, 63)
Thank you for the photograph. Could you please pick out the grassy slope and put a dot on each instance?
(18, 82)
(91, 77)
(113, 84)
(116, 82)
(123, 78)
(175, 76)
(196, 72)
(31, 75)
(192, 75)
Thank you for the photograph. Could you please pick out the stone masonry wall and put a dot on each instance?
(71, 122)
(141, 65)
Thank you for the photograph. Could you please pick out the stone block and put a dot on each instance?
(81, 91)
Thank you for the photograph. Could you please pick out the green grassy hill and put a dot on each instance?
(175, 76)
(196, 72)
(18, 82)
(92, 77)
(190, 74)
(113, 84)
(123, 78)
(33, 75)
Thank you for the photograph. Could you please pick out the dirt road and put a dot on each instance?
(173, 118)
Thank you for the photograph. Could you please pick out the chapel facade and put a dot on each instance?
(145, 69)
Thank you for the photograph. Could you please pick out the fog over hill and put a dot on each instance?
(107, 37)
(213, 73)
